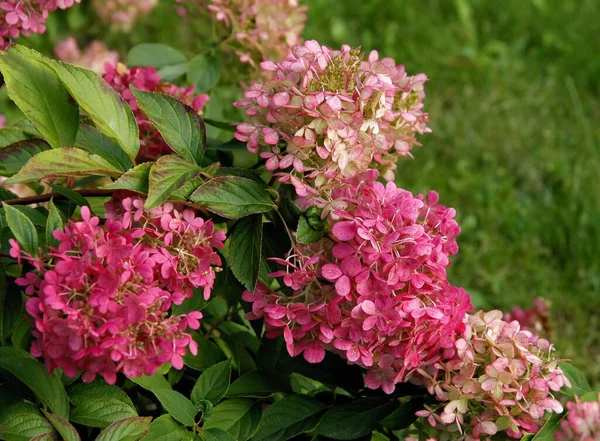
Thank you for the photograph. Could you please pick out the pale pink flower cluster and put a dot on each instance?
(122, 14)
(152, 145)
(376, 291)
(327, 115)
(101, 300)
(94, 57)
(26, 17)
(582, 422)
(260, 29)
(500, 379)
(535, 319)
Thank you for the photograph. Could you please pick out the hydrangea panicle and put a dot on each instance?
(95, 56)
(582, 422)
(535, 319)
(122, 14)
(101, 299)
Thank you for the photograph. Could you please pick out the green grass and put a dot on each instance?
(515, 146)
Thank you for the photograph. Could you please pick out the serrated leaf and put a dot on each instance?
(15, 156)
(83, 392)
(54, 222)
(37, 91)
(22, 228)
(128, 429)
(164, 428)
(10, 135)
(579, 384)
(237, 417)
(213, 384)
(258, 384)
(288, 417)
(306, 233)
(135, 179)
(178, 406)
(66, 429)
(22, 422)
(93, 141)
(46, 386)
(71, 195)
(101, 412)
(67, 161)
(155, 55)
(233, 197)
(354, 420)
(203, 72)
(180, 125)
(245, 248)
(108, 110)
(167, 175)
(50, 436)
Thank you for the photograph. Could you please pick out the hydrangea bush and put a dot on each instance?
(176, 277)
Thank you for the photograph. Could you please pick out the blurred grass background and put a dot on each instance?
(515, 148)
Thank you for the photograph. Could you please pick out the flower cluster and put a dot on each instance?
(375, 292)
(337, 114)
(95, 56)
(101, 299)
(152, 145)
(535, 319)
(259, 30)
(582, 422)
(26, 17)
(122, 14)
(501, 378)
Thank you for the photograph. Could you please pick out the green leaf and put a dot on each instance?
(21, 333)
(208, 354)
(155, 55)
(546, 433)
(37, 91)
(233, 197)
(109, 111)
(82, 392)
(239, 418)
(15, 156)
(22, 228)
(178, 406)
(172, 73)
(153, 382)
(10, 135)
(404, 416)
(101, 412)
(180, 125)
(306, 233)
(135, 179)
(128, 429)
(46, 386)
(164, 428)
(50, 436)
(36, 216)
(93, 141)
(217, 435)
(67, 161)
(288, 417)
(227, 126)
(354, 420)
(167, 175)
(245, 247)
(203, 72)
(213, 384)
(54, 222)
(579, 384)
(71, 195)
(22, 422)
(66, 429)
(258, 384)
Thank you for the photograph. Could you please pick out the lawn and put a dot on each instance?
(515, 148)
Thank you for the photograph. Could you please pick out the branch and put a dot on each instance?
(47, 196)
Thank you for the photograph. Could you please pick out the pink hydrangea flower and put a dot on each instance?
(95, 56)
(101, 301)
(535, 319)
(497, 378)
(376, 291)
(152, 145)
(26, 17)
(122, 14)
(336, 113)
(582, 422)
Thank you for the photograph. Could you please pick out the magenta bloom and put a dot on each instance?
(152, 145)
(101, 300)
(535, 319)
(337, 113)
(375, 293)
(582, 422)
